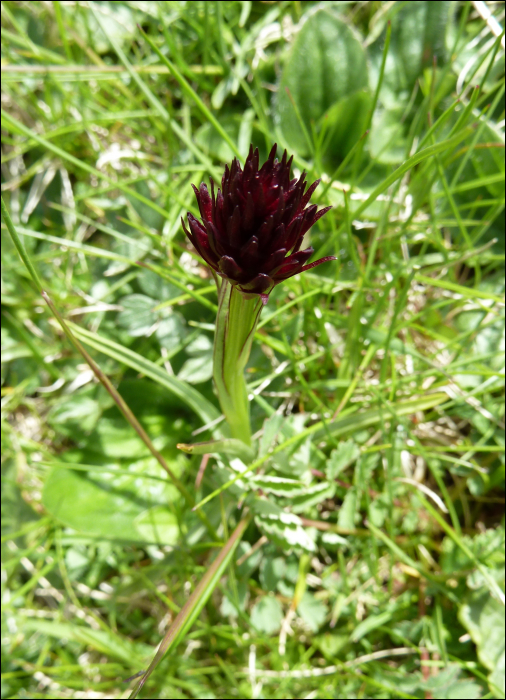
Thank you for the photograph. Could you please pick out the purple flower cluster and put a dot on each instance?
(251, 231)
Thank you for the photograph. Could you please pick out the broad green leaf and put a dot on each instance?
(154, 286)
(343, 124)
(106, 505)
(483, 617)
(448, 684)
(137, 317)
(201, 345)
(272, 571)
(419, 32)
(75, 415)
(118, 22)
(230, 603)
(326, 64)
(378, 510)
(171, 331)
(208, 139)
(197, 369)
(312, 611)
(272, 426)
(488, 159)
(294, 461)
(387, 143)
(251, 562)
(158, 525)
(267, 614)
(115, 438)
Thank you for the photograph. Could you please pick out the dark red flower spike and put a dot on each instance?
(250, 233)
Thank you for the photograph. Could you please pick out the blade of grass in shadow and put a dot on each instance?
(409, 561)
(193, 606)
(422, 155)
(492, 585)
(103, 379)
(466, 292)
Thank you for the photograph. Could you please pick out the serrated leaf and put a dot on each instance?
(272, 426)
(283, 528)
(312, 611)
(483, 617)
(446, 685)
(197, 369)
(313, 494)
(333, 540)
(269, 510)
(286, 536)
(267, 614)
(278, 485)
(137, 317)
(346, 516)
(341, 458)
(272, 571)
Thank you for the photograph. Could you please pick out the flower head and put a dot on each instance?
(250, 233)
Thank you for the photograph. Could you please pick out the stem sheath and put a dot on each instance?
(236, 322)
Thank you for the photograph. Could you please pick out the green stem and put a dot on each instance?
(236, 322)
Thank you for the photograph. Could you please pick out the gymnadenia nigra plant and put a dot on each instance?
(250, 234)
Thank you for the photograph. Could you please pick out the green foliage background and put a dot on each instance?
(374, 564)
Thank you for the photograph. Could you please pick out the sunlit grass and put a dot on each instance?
(381, 377)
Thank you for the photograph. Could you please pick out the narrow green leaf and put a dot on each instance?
(187, 393)
(229, 446)
(193, 606)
